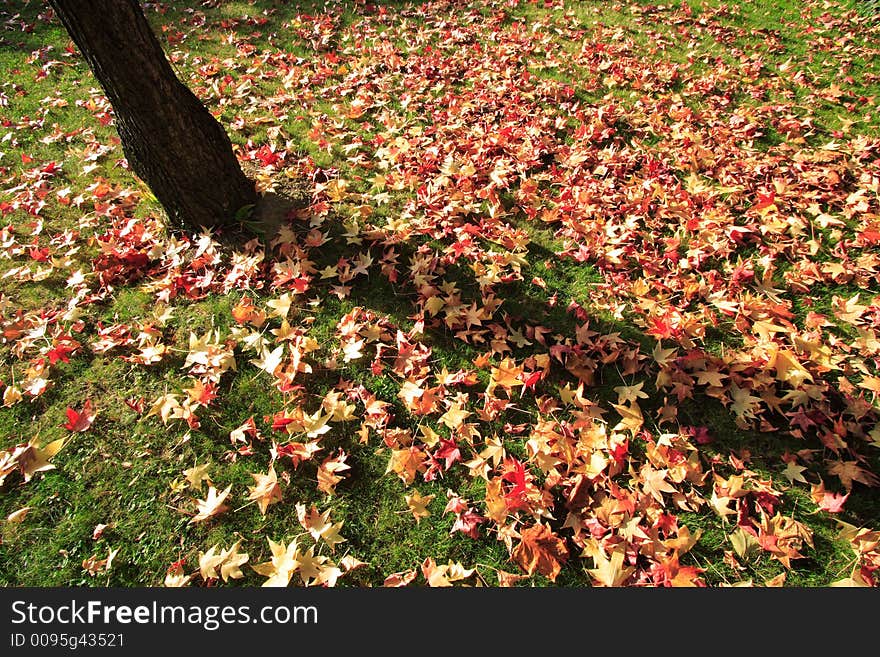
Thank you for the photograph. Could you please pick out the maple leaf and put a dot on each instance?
(32, 459)
(197, 474)
(164, 406)
(540, 550)
(745, 544)
(269, 361)
(319, 525)
(789, 369)
(280, 306)
(328, 575)
(663, 356)
(327, 472)
(175, 577)
(11, 396)
(246, 312)
(410, 392)
(609, 571)
(228, 562)
(850, 471)
(201, 392)
(794, 472)
(282, 566)
(456, 572)
(212, 505)
(399, 579)
(444, 575)
(266, 491)
(418, 505)
(711, 378)
(783, 537)
(744, 404)
(406, 463)
(630, 393)
(506, 579)
(455, 416)
(241, 433)
(311, 565)
(94, 566)
(630, 417)
(352, 350)
(316, 424)
(855, 580)
(507, 375)
(654, 482)
(82, 420)
(826, 500)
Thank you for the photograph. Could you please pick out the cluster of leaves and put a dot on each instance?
(447, 155)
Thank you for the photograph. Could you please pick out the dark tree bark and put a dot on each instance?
(169, 137)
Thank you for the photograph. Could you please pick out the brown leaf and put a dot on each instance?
(541, 550)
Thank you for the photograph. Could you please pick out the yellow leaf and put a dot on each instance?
(744, 544)
(654, 482)
(266, 491)
(163, 407)
(434, 305)
(663, 356)
(19, 515)
(794, 472)
(35, 459)
(406, 463)
(310, 565)
(196, 475)
(212, 505)
(630, 393)
(281, 306)
(789, 369)
(507, 375)
(609, 571)
(282, 566)
(454, 417)
(319, 525)
(630, 417)
(270, 360)
(434, 574)
(327, 477)
(316, 424)
(418, 505)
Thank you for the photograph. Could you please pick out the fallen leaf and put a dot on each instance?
(418, 505)
(266, 491)
(19, 515)
(212, 506)
(80, 420)
(282, 566)
(540, 550)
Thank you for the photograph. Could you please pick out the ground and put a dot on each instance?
(549, 293)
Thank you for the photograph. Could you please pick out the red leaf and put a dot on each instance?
(82, 420)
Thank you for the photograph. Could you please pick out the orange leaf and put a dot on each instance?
(541, 550)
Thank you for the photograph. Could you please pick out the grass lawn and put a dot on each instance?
(571, 294)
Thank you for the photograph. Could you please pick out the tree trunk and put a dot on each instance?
(169, 137)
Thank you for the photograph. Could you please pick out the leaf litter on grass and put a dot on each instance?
(454, 139)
